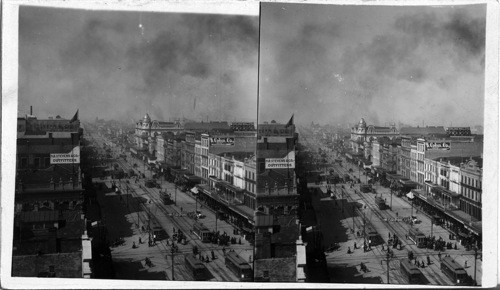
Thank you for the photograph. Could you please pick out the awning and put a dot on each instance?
(194, 190)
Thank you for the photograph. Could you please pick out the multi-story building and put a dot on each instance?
(277, 201)
(404, 157)
(471, 187)
(48, 224)
(148, 128)
(361, 133)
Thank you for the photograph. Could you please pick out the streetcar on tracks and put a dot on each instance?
(202, 232)
(166, 198)
(410, 272)
(454, 271)
(196, 268)
(239, 267)
(157, 232)
(380, 203)
(365, 188)
(417, 237)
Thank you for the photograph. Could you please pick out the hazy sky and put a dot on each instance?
(331, 64)
(120, 65)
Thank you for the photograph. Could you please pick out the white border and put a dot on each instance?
(9, 119)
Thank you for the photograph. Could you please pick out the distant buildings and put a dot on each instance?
(441, 166)
(213, 160)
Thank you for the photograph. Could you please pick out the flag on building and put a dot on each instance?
(75, 117)
(290, 122)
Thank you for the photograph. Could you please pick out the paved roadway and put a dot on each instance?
(169, 217)
(384, 222)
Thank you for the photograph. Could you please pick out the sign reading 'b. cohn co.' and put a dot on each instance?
(72, 157)
(437, 145)
(222, 141)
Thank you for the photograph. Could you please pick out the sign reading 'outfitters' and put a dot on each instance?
(287, 162)
(72, 157)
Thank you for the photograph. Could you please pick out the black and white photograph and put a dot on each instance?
(249, 144)
(135, 143)
(382, 110)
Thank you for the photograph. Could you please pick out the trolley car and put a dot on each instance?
(156, 231)
(454, 271)
(239, 267)
(196, 267)
(380, 202)
(417, 237)
(365, 188)
(166, 198)
(202, 232)
(411, 272)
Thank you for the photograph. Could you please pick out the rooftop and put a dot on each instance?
(276, 269)
(66, 265)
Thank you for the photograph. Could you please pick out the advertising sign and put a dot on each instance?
(221, 141)
(265, 130)
(437, 145)
(286, 162)
(72, 157)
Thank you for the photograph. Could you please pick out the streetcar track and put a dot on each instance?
(223, 273)
(369, 199)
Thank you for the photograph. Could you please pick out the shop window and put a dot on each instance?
(24, 162)
(37, 162)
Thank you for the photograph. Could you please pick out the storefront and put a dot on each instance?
(237, 215)
(466, 230)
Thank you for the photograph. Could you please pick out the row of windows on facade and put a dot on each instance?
(38, 163)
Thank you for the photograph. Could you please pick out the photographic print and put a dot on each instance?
(135, 142)
(249, 144)
(385, 106)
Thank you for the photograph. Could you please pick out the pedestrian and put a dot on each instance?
(140, 240)
(355, 246)
(396, 214)
(465, 264)
(349, 250)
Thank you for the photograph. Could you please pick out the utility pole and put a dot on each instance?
(432, 224)
(387, 260)
(172, 254)
(475, 261)
(391, 194)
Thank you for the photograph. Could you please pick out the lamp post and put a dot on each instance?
(475, 261)
(175, 195)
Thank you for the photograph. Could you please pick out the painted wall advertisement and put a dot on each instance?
(221, 141)
(437, 145)
(72, 157)
(287, 162)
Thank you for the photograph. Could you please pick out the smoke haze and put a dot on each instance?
(121, 65)
(336, 64)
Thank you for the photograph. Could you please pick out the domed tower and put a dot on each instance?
(146, 122)
(146, 119)
(362, 126)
